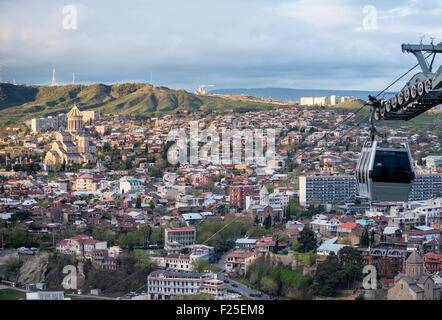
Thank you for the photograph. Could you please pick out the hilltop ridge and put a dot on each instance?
(20, 102)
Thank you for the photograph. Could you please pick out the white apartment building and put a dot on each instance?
(49, 123)
(279, 199)
(323, 101)
(334, 100)
(307, 101)
(163, 285)
(178, 238)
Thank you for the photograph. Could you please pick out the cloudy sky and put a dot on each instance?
(319, 44)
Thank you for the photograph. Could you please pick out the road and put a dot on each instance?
(240, 288)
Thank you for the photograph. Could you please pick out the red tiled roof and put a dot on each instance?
(81, 237)
(349, 225)
(240, 255)
(62, 242)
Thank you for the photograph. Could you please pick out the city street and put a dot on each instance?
(235, 285)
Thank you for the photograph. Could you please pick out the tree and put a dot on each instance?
(328, 278)
(350, 255)
(143, 259)
(307, 240)
(372, 238)
(256, 231)
(269, 285)
(296, 246)
(12, 264)
(276, 247)
(202, 265)
(292, 209)
(138, 203)
(351, 260)
(364, 239)
(18, 238)
(267, 222)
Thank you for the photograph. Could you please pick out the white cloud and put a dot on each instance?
(243, 43)
(321, 13)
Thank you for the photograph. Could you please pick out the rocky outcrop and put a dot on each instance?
(33, 268)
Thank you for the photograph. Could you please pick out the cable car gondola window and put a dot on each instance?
(391, 166)
(364, 166)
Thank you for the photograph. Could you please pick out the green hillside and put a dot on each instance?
(350, 104)
(20, 103)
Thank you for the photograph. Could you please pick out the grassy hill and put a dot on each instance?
(20, 103)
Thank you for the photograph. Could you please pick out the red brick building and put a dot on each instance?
(433, 263)
(238, 195)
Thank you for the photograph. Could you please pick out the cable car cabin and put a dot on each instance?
(385, 173)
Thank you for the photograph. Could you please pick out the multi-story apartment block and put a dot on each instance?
(86, 183)
(238, 195)
(49, 123)
(178, 238)
(179, 262)
(279, 199)
(326, 188)
(307, 101)
(426, 186)
(163, 285)
(90, 115)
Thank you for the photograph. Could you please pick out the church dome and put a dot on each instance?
(75, 112)
(263, 191)
(414, 258)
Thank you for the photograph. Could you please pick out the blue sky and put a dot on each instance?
(319, 44)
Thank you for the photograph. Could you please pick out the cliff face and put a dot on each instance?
(33, 268)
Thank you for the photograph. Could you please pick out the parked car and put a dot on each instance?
(234, 285)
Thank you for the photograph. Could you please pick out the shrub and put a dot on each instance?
(12, 264)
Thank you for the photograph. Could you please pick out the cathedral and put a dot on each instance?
(414, 284)
(272, 205)
(73, 145)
